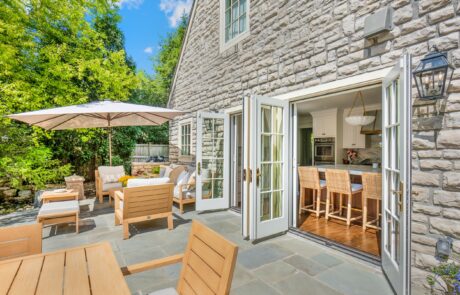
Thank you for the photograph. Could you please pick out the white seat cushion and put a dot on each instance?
(168, 291)
(59, 207)
(181, 180)
(107, 186)
(135, 182)
(111, 174)
(356, 187)
(322, 183)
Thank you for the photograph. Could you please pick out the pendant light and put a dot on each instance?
(359, 120)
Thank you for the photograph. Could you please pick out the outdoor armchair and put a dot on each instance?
(23, 240)
(207, 264)
(184, 191)
(106, 178)
(140, 203)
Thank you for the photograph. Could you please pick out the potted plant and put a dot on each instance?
(351, 156)
(445, 279)
(124, 180)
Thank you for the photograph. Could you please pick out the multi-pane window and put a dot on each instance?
(235, 18)
(185, 140)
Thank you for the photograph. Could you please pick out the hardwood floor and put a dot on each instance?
(336, 230)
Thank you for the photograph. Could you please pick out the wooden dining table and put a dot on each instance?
(90, 269)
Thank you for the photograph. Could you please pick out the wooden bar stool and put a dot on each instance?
(309, 179)
(338, 182)
(372, 189)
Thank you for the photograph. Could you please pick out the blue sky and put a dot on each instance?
(145, 22)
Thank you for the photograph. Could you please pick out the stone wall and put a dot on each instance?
(297, 44)
(144, 168)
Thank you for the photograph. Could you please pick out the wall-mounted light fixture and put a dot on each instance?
(443, 248)
(433, 75)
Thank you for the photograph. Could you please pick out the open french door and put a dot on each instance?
(212, 161)
(266, 128)
(396, 157)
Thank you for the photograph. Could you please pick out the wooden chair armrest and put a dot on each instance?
(119, 195)
(181, 190)
(143, 266)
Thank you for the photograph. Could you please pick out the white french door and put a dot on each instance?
(396, 105)
(268, 166)
(212, 161)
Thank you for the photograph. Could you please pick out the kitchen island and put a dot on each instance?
(353, 169)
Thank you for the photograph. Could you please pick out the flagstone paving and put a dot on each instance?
(282, 265)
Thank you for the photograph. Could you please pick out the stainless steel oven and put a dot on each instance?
(324, 150)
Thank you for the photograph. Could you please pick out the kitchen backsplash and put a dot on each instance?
(372, 153)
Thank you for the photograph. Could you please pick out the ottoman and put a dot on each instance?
(59, 212)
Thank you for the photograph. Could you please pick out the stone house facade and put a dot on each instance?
(296, 44)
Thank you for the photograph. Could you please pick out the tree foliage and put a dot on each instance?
(57, 53)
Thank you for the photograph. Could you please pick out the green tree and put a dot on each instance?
(55, 53)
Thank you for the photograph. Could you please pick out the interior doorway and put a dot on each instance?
(236, 163)
(326, 141)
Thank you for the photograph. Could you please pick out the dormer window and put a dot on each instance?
(234, 21)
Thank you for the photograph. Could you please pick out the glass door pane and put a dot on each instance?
(271, 168)
(396, 175)
(271, 150)
(212, 161)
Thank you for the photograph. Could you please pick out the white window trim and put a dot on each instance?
(226, 45)
(182, 123)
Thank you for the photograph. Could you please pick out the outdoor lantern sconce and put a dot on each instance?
(433, 74)
(443, 248)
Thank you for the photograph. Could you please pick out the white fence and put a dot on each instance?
(143, 152)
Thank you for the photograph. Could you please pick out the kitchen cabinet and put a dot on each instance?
(325, 123)
(352, 137)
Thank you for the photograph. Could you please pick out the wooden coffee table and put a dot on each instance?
(112, 194)
(59, 195)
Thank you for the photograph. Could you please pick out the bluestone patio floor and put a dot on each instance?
(282, 265)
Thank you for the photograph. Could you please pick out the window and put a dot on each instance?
(234, 21)
(185, 139)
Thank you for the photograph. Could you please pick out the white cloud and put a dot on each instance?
(148, 50)
(175, 9)
(130, 4)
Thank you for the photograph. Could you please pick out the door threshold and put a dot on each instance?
(337, 246)
(235, 209)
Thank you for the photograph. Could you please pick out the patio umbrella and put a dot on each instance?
(105, 114)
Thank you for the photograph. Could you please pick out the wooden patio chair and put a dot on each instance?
(185, 193)
(207, 264)
(23, 240)
(136, 204)
(103, 189)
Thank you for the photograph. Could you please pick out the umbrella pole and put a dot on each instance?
(110, 146)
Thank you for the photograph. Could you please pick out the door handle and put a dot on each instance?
(257, 176)
(198, 169)
(399, 196)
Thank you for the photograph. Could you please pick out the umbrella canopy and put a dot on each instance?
(98, 114)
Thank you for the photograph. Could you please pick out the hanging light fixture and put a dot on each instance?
(432, 73)
(359, 120)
